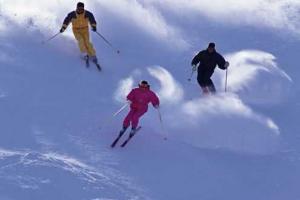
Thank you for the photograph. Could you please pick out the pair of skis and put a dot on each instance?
(87, 63)
(127, 140)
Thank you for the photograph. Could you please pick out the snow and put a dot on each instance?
(56, 115)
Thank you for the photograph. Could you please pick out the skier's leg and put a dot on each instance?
(135, 118)
(80, 39)
(211, 86)
(128, 118)
(122, 131)
(89, 46)
(205, 90)
(202, 83)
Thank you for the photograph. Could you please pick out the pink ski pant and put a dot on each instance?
(133, 116)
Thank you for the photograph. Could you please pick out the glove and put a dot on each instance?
(194, 68)
(156, 106)
(62, 29)
(226, 64)
(94, 28)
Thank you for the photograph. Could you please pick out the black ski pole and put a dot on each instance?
(107, 42)
(51, 38)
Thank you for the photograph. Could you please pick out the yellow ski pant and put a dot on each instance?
(83, 38)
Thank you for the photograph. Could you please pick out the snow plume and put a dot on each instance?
(123, 89)
(146, 17)
(253, 74)
(41, 15)
(279, 14)
(227, 106)
(223, 121)
(170, 91)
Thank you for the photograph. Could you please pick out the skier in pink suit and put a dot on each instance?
(139, 99)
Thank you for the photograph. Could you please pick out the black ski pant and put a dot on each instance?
(204, 79)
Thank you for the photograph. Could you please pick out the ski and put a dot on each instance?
(97, 65)
(117, 139)
(130, 136)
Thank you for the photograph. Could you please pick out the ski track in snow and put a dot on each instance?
(98, 178)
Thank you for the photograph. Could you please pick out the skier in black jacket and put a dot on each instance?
(208, 59)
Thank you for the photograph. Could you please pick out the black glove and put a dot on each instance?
(226, 65)
(94, 28)
(62, 29)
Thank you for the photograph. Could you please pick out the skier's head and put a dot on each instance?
(80, 8)
(144, 84)
(211, 47)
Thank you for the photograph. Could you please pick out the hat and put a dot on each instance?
(143, 82)
(211, 45)
(80, 4)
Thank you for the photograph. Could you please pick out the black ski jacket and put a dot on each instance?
(209, 61)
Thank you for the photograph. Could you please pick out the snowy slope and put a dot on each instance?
(238, 145)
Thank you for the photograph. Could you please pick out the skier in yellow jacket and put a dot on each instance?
(80, 19)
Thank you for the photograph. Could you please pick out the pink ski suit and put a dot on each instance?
(140, 98)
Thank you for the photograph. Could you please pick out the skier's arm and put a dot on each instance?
(221, 62)
(92, 20)
(130, 96)
(67, 21)
(197, 58)
(155, 100)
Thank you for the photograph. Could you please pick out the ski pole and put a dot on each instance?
(193, 70)
(107, 42)
(226, 79)
(51, 38)
(190, 78)
(114, 115)
(161, 124)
